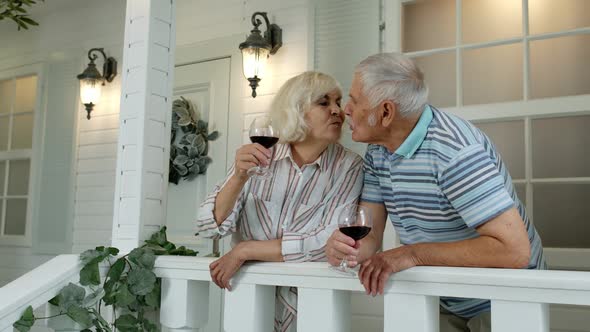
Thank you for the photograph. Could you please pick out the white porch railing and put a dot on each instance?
(36, 288)
(519, 298)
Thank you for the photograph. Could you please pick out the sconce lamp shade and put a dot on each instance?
(91, 80)
(256, 50)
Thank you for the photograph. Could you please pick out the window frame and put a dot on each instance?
(33, 155)
(525, 110)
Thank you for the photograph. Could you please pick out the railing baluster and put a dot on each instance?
(326, 310)
(410, 313)
(249, 308)
(509, 316)
(185, 304)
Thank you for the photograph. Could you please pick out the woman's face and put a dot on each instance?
(325, 117)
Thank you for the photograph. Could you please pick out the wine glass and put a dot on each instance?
(354, 221)
(262, 132)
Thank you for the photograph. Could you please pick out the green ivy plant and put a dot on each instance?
(129, 286)
(16, 11)
(189, 142)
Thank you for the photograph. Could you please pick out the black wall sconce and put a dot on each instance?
(91, 80)
(256, 49)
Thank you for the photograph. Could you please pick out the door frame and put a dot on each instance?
(225, 47)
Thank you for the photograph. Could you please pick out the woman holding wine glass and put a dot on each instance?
(288, 211)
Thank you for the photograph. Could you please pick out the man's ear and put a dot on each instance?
(389, 112)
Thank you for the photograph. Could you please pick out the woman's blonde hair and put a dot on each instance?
(294, 99)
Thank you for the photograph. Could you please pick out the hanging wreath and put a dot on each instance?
(189, 142)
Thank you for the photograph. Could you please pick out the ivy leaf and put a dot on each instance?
(213, 136)
(142, 257)
(200, 144)
(71, 295)
(195, 169)
(26, 320)
(158, 237)
(110, 287)
(141, 281)
(117, 269)
(90, 255)
(90, 275)
(148, 326)
(201, 126)
(54, 301)
(127, 323)
(93, 298)
(123, 297)
(184, 120)
(80, 315)
(153, 298)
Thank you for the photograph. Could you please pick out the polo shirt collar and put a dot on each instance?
(416, 137)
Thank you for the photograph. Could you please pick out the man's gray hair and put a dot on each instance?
(395, 77)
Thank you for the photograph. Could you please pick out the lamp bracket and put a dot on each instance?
(109, 68)
(273, 33)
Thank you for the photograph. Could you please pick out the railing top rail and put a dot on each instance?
(36, 287)
(570, 287)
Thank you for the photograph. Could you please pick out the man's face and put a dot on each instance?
(361, 118)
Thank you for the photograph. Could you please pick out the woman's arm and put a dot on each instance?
(224, 268)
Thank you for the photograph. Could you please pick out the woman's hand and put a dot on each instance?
(340, 246)
(225, 267)
(248, 156)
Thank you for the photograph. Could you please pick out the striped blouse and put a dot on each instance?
(298, 205)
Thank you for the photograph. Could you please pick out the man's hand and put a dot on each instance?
(340, 246)
(224, 268)
(376, 270)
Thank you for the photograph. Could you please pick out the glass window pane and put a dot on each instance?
(2, 177)
(480, 20)
(16, 216)
(521, 192)
(560, 146)
(561, 214)
(22, 132)
(4, 122)
(492, 74)
(559, 66)
(6, 94)
(508, 137)
(440, 75)
(428, 24)
(26, 90)
(18, 177)
(550, 15)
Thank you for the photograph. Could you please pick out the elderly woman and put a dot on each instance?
(289, 216)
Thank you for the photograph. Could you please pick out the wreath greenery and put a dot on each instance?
(189, 142)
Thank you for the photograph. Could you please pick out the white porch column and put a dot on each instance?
(508, 316)
(185, 304)
(249, 308)
(144, 131)
(323, 310)
(410, 313)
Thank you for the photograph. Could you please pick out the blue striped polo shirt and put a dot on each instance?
(444, 181)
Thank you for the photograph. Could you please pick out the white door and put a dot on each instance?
(206, 85)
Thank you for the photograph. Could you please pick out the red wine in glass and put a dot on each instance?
(262, 132)
(266, 141)
(355, 232)
(353, 221)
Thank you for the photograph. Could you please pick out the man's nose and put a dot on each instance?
(347, 109)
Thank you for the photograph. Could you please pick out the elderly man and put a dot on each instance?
(442, 183)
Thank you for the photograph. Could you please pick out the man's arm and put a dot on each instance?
(503, 242)
(340, 245)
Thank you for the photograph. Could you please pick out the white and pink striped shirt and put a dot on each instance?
(299, 206)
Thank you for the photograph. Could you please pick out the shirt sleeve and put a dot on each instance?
(474, 186)
(371, 189)
(206, 225)
(299, 247)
